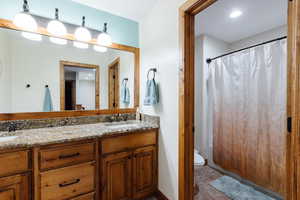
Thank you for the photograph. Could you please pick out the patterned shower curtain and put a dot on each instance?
(248, 92)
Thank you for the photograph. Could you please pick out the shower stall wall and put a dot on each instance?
(248, 92)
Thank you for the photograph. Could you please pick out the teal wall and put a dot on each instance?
(122, 30)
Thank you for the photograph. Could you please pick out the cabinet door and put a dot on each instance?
(117, 176)
(14, 188)
(144, 172)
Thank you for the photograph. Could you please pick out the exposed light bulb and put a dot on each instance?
(82, 33)
(58, 41)
(100, 48)
(24, 20)
(104, 38)
(80, 45)
(56, 27)
(32, 36)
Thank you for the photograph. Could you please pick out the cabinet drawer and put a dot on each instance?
(90, 196)
(67, 182)
(67, 155)
(14, 162)
(124, 143)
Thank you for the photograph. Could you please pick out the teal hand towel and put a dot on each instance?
(152, 94)
(125, 94)
(48, 107)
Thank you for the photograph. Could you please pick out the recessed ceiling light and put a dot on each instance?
(235, 14)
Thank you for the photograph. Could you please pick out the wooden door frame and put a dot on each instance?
(187, 14)
(116, 61)
(63, 64)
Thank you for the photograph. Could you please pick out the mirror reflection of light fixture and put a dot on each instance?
(104, 38)
(57, 28)
(80, 45)
(58, 41)
(24, 20)
(100, 48)
(32, 36)
(83, 34)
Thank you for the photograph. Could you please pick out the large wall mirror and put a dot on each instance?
(41, 76)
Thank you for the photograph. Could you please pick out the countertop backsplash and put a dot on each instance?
(57, 122)
(70, 121)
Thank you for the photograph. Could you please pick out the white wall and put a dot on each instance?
(37, 64)
(262, 37)
(5, 74)
(159, 45)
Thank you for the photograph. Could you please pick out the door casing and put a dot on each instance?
(187, 14)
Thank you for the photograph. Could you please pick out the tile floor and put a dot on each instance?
(203, 176)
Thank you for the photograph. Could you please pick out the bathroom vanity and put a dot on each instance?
(84, 162)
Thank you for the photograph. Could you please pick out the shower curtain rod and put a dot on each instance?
(209, 60)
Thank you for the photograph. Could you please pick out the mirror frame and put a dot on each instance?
(8, 24)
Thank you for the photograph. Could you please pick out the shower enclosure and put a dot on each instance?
(247, 95)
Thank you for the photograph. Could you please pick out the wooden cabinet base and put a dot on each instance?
(121, 167)
(14, 187)
(144, 172)
(90, 196)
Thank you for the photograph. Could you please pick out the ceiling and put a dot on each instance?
(131, 9)
(258, 16)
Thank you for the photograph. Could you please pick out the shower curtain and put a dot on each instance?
(248, 92)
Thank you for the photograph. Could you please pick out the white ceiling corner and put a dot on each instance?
(258, 16)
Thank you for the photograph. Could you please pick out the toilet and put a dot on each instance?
(198, 159)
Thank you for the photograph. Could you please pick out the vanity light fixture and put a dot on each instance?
(104, 38)
(83, 34)
(100, 48)
(58, 41)
(81, 45)
(56, 27)
(25, 20)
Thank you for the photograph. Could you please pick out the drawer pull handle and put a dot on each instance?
(69, 156)
(70, 183)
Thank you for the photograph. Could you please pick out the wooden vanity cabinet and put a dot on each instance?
(66, 171)
(14, 187)
(129, 166)
(144, 171)
(116, 176)
(120, 167)
(15, 175)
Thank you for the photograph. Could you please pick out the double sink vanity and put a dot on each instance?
(107, 161)
(58, 98)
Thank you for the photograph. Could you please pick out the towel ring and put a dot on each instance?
(126, 81)
(154, 70)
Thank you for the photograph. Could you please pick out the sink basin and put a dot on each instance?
(8, 138)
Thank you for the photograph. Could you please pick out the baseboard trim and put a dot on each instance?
(160, 196)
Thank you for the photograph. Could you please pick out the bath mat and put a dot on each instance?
(238, 191)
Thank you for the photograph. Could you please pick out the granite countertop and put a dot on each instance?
(45, 136)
